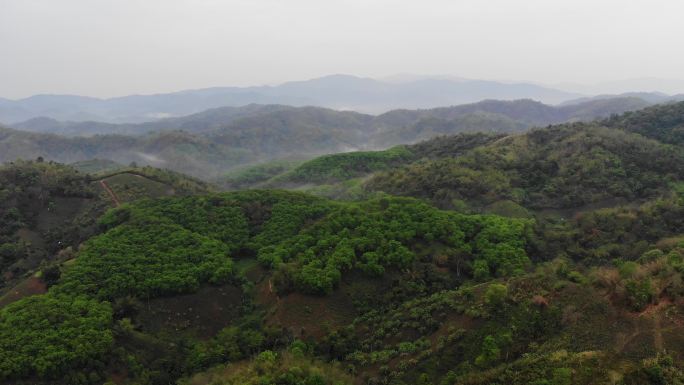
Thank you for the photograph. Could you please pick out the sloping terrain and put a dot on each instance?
(561, 167)
(576, 277)
(558, 167)
(48, 209)
(212, 142)
(389, 288)
(198, 122)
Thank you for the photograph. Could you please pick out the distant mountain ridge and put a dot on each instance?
(650, 97)
(342, 92)
(520, 113)
(209, 143)
(201, 121)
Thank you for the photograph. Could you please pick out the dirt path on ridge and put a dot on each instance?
(657, 333)
(111, 193)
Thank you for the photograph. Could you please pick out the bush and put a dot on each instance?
(639, 293)
(496, 295)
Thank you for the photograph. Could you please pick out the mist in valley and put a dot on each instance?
(357, 192)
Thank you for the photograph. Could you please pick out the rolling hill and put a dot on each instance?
(48, 209)
(558, 261)
(509, 115)
(199, 122)
(557, 167)
(565, 166)
(210, 143)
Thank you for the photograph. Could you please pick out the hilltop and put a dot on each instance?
(49, 209)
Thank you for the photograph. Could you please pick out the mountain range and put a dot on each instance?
(549, 257)
(211, 142)
(342, 92)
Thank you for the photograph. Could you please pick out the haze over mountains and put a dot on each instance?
(211, 142)
(342, 92)
(341, 192)
(574, 275)
(640, 85)
(207, 132)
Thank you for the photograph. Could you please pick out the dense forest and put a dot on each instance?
(559, 167)
(48, 209)
(550, 257)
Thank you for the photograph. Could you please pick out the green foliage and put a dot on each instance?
(170, 181)
(346, 190)
(288, 215)
(336, 167)
(557, 167)
(95, 166)
(509, 209)
(659, 370)
(662, 122)
(44, 207)
(496, 295)
(147, 258)
(406, 272)
(271, 368)
(492, 345)
(443, 181)
(562, 376)
(452, 145)
(51, 335)
(639, 293)
(627, 269)
(623, 233)
(231, 344)
(379, 234)
(173, 245)
(249, 176)
(212, 216)
(490, 352)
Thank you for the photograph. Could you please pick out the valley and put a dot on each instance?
(214, 142)
(385, 192)
(550, 255)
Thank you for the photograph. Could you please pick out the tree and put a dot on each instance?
(496, 295)
(489, 353)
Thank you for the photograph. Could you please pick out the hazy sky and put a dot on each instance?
(117, 47)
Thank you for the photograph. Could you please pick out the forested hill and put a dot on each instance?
(238, 288)
(201, 121)
(567, 166)
(212, 142)
(558, 167)
(664, 122)
(554, 256)
(176, 150)
(522, 112)
(48, 209)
